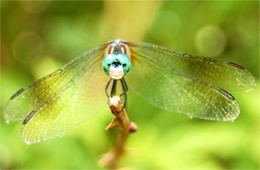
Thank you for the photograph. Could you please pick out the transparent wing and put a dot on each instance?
(162, 77)
(226, 75)
(61, 100)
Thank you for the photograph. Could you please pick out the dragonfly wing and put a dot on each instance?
(226, 75)
(61, 100)
(152, 79)
(30, 97)
(77, 103)
(33, 96)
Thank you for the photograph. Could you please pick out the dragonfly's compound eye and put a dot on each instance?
(108, 60)
(116, 60)
(125, 62)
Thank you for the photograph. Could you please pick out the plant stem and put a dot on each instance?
(125, 127)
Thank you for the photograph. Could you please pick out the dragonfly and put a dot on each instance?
(173, 81)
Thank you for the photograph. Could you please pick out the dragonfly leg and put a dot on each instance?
(106, 90)
(108, 83)
(113, 89)
(125, 89)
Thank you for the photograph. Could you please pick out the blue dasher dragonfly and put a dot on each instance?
(176, 82)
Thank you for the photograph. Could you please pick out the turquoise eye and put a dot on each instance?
(125, 62)
(116, 60)
(108, 60)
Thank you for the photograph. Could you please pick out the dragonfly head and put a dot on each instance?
(116, 65)
(117, 62)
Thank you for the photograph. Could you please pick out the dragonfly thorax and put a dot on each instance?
(118, 46)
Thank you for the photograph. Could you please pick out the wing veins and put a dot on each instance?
(58, 93)
(211, 71)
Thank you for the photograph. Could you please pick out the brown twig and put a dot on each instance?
(111, 159)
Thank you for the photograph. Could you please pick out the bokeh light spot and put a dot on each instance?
(210, 41)
(27, 47)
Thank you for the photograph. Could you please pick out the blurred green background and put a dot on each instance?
(38, 37)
